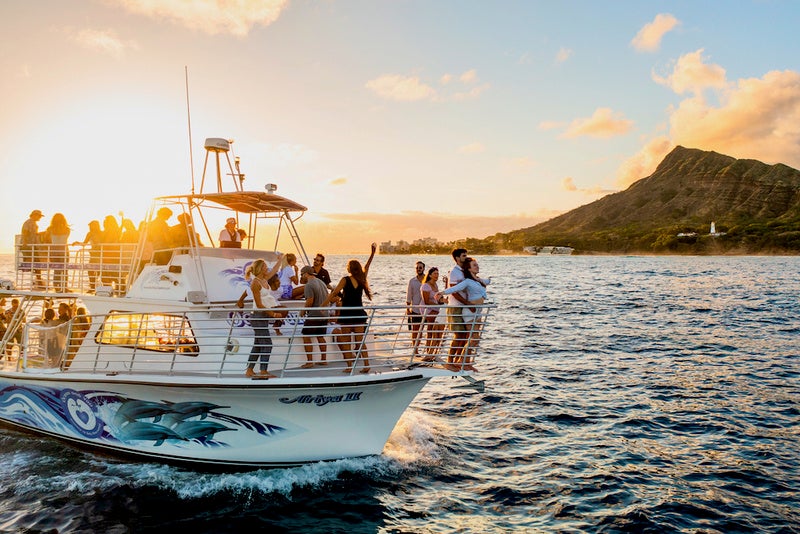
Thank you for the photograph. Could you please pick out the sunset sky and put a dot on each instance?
(389, 119)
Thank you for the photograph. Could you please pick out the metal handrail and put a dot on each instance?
(216, 342)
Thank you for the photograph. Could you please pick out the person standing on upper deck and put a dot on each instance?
(57, 235)
(230, 236)
(31, 238)
(414, 303)
(159, 236)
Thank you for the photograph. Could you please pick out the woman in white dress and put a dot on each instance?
(431, 313)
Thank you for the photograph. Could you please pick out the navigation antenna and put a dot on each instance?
(189, 120)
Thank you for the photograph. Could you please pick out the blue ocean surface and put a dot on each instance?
(624, 394)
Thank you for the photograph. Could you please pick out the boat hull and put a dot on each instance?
(254, 423)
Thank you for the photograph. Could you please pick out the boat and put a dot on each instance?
(555, 250)
(154, 369)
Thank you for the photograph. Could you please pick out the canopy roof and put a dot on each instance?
(245, 201)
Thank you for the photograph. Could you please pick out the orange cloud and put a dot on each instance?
(471, 76)
(235, 17)
(521, 164)
(568, 184)
(403, 88)
(105, 41)
(338, 181)
(411, 88)
(756, 118)
(644, 162)
(692, 75)
(649, 37)
(472, 148)
(551, 125)
(604, 123)
(563, 55)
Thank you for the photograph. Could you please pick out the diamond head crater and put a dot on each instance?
(696, 202)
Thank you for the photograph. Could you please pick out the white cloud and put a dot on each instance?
(404, 88)
(692, 75)
(105, 41)
(235, 17)
(603, 123)
(649, 37)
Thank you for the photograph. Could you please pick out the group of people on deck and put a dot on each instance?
(346, 320)
(53, 341)
(466, 291)
(50, 245)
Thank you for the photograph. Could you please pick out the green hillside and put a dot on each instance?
(756, 205)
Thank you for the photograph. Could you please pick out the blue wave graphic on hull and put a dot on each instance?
(106, 416)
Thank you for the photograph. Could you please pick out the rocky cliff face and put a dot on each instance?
(690, 186)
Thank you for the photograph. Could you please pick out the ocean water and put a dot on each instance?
(624, 394)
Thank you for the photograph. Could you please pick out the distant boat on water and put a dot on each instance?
(552, 250)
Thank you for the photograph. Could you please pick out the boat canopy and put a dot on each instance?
(243, 201)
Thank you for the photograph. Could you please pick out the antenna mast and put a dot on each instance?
(189, 121)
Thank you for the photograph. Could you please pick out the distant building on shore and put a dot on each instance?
(426, 244)
(712, 232)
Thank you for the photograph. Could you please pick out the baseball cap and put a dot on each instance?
(307, 269)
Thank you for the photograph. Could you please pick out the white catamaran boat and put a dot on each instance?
(155, 368)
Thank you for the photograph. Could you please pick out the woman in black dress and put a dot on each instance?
(352, 316)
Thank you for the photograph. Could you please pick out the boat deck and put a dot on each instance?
(216, 343)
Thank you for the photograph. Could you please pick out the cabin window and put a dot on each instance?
(149, 331)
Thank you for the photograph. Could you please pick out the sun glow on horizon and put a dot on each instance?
(381, 136)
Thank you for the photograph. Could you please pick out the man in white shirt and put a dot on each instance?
(455, 317)
(230, 237)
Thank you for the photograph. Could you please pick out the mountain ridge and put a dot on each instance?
(757, 204)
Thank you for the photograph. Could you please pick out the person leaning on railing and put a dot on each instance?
(475, 289)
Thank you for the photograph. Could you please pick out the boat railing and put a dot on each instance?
(217, 342)
(74, 268)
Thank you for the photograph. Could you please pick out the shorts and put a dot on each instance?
(353, 317)
(414, 318)
(455, 318)
(286, 292)
(315, 326)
